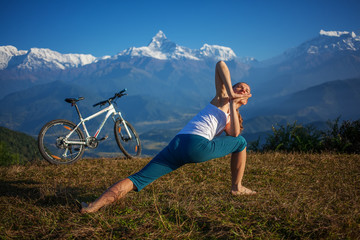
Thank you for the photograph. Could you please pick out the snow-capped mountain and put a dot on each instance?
(6, 53)
(328, 42)
(217, 52)
(159, 48)
(41, 58)
(162, 48)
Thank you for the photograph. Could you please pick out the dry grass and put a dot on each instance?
(301, 196)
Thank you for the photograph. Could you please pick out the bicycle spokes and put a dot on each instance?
(58, 145)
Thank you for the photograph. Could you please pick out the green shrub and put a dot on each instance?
(294, 138)
(340, 138)
(344, 138)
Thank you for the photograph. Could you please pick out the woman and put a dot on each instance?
(198, 141)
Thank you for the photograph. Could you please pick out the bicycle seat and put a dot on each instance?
(73, 100)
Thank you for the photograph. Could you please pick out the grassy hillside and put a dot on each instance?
(300, 196)
(16, 147)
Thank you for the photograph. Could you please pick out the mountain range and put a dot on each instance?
(167, 83)
(159, 48)
(330, 56)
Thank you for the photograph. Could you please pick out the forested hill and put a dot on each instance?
(16, 147)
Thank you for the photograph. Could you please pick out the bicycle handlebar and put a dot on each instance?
(117, 95)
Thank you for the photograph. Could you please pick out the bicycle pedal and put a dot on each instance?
(104, 138)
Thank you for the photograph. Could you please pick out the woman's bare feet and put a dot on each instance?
(87, 208)
(243, 191)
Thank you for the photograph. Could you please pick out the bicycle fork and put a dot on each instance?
(122, 120)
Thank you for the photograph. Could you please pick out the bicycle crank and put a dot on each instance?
(92, 142)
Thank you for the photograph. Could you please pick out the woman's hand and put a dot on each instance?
(240, 99)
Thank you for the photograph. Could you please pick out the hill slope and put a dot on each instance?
(16, 147)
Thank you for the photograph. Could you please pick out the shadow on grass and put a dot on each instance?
(41, 195)
(20, 188)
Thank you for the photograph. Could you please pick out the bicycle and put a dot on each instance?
(61, 141)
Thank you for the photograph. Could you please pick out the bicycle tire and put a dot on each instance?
(51, 146)
(130, 147)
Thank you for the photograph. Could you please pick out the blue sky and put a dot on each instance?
(260, 29)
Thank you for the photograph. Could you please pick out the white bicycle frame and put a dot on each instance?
(110, 112)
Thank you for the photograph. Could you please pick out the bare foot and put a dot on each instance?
(86, 208)
(243, 191)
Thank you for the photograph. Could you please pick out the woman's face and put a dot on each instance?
(242, 88)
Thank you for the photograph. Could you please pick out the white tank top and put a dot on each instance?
(208, 123)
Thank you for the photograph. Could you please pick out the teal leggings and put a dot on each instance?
(183, 149)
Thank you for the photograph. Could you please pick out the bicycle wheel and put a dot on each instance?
(52, 145)
(129, 144)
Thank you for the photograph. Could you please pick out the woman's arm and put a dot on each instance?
(224, 90)
(233, 128)
(223, 81)
(226, 94)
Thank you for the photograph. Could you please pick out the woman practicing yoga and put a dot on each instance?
(198, 141)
